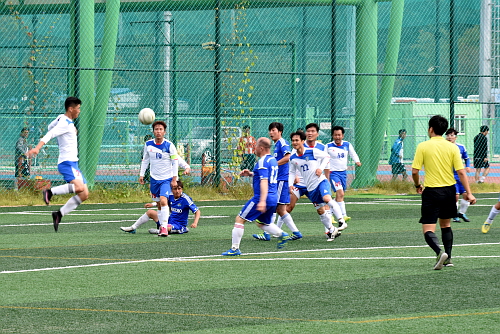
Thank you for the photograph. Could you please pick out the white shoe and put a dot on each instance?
(154, 231)
(127, 229)
(342, 225)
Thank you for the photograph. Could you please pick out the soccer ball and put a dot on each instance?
(146, 116)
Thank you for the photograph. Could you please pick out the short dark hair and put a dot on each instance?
(312, 125)
(337, 127)
(439, 124)
(484, 128)
(299, 133)
(246, 126)
(180, 184)
(162, 123)
(24, 129)
(276, 125)
(450, 131)
(71, 101)
(401, 131)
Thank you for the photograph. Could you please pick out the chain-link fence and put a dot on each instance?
(208, 68)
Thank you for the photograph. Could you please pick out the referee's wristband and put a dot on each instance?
(418, 186)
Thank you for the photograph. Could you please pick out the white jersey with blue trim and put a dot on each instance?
(162, 159)
(64, 129)
(317, 145)
(305, 166)
(339, 155)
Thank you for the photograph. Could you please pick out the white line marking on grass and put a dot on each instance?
(220, 258)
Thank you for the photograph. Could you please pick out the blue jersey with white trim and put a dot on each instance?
(162, 159)
(180, 208)
(266, 168)
(464, 155)
(282, 148)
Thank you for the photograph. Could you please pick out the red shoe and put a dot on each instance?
(163, 232)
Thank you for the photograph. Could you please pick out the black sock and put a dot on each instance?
(447, 236)
(432, 241)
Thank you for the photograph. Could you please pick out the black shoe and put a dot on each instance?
(56, 219)
(47, 195)
(464, 217)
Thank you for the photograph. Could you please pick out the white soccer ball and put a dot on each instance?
(146, 116)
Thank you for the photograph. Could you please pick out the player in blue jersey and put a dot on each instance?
(180, 204)
(262, 205)
(451, 136)
(282, 155)
(339, 151)
(63, 128)
(396, 158)
(161, 156)
(310, 163)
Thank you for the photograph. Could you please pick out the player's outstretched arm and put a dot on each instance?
(465, 182)
(197, 215)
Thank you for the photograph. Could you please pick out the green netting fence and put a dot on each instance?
(210, 67)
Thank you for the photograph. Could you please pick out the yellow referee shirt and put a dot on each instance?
(439, 157)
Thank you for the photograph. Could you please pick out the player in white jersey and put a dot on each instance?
(161, 156)
(65, 131)
(309, 164)
(339, 151)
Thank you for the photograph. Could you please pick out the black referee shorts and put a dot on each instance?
(439, 202)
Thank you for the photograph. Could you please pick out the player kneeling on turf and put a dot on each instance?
(180, 204)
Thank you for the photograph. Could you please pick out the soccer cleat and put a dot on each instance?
(47, 195)
(282, 239)
(464, 217)
(456, 220)
(342, 225)
(232, 252)
(296, 235)
(448, 263)
(486, 227)
(347, 218)
(163, 232)
(262, 236)
(440, 260)
(56, 219)
(154, 231)
(332, 234)
(128, 229)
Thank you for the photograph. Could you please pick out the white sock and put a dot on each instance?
(63, 189)
(326, 220)
(342, 208)
(335, 208)
(289, 222)
(238, 231)
(464, 205)
(70, 205)
(482, 178)
(328, 213)
(273, 219)
(272, 229)
(493, 213)
(279, 223)
(142, 220)
(163, 216)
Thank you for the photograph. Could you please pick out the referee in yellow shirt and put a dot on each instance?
(439, 157)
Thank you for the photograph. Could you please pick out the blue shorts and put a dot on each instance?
(316, 196)
(338, 180)
(283, 192)
(249, 212)
(459, 187)
(160, 188)
(70, 171)
(177, 228)
(299, 190)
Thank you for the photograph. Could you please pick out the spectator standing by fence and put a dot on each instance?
(22, 167)
(396, 158)
(481, 154)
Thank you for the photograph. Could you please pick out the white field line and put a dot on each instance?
(98, 222)
(220, 258)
